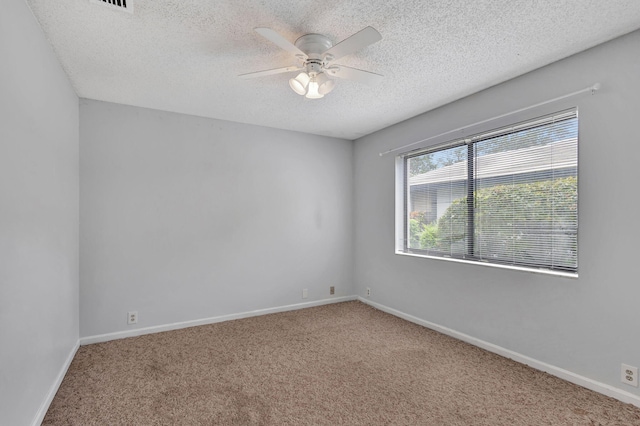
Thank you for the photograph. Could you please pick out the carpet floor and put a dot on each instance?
(340, 364)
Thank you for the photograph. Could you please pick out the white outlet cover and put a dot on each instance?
(305, 293)
(629, 375)
(132, 317)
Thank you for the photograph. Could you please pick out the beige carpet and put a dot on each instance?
(341, 364)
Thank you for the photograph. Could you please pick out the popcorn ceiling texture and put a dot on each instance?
(184, 56)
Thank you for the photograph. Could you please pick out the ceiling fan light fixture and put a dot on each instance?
(312, 92)
(325, 84)
(300, 83)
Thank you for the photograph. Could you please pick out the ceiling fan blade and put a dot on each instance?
(367, 77)
(270, 72)
(359, 40)
(280, 41)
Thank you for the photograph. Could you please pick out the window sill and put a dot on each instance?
(494, 265)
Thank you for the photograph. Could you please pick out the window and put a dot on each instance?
(509, 196)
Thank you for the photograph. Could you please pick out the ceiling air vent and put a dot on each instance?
(124, 5)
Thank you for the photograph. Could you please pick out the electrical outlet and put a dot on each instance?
(132, 317)
(629, 375)
(305, 293)
(332, 290)
(368, 291)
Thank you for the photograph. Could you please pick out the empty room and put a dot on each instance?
(319, 213)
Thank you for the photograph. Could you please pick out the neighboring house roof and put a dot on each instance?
(556, 155)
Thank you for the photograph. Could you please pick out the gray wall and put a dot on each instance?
(587, 325)
(38, 216)
(185, 218)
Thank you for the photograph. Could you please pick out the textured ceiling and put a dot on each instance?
(184, 56)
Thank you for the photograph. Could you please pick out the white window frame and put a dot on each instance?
(401, 215)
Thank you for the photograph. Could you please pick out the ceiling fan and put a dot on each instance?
(315, 55)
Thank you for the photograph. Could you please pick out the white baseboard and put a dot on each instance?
(561, 373)
(37, 421)
(178, 325)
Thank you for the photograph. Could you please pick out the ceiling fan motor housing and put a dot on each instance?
(313, 44)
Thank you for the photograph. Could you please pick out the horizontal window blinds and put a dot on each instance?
(508, 196)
